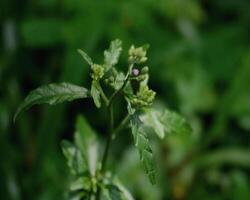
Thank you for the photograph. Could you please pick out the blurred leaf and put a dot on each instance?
(175, 123)
(77, 195)
(85, 139)
(153, 118)
(75, 160)
(112, 192)
(240, 186)
(85, 57)
(125, 193)
(95, 94)
(80, 183)
(52, 94)
(232, 156)
(111, 56)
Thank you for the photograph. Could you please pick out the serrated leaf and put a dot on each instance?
(142, 144)
(85, 56)
(95, 94)
(75, 160)
(52, 94)
(111, 56)
(85, 139)
(175, 123)
(153, 118)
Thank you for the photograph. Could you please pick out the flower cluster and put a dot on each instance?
(137, 55)
(97, 71)
(144, 97)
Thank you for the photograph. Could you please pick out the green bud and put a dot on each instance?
(144, 70)
(111, 79)
(106, 81)
(137, 55)
(142, 77)
(97, 71)
(144, 97)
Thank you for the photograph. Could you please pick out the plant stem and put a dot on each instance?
(104, 97)
(107, 147)
(122, 125)
(111, 128)
(109, 104)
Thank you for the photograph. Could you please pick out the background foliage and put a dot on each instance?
(199, 64)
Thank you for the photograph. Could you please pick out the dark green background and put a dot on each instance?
(199, 61)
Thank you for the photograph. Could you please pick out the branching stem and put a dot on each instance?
(112, 131)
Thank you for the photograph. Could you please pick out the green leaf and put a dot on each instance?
(111, 56)
(75, 160)
(112, 192)
(86, 141)
(78, 195)
(229, 156)
(125, 193)
(52, 94)
(153, 118)
(80, 183)
(95, 94)
(119, 80)
(175, 123)
(142, 144)
(85, 57)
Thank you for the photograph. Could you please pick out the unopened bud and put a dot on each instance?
(144, 70)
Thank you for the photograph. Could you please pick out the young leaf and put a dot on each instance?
(142, 144)
(153, 118)
(112, 192)
(85, 56)
(82, 182)
(174, 123)
(52, 94)
(78, 195)
(95, 94)
(75, 160)
(85, 139)
(111, 56)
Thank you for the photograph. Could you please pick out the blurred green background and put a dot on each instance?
(199, 60)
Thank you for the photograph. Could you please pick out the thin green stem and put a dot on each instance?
(107, 147)
(122, 124)
(109, 104)
(122, 87)
(104, 97)
(111, 127)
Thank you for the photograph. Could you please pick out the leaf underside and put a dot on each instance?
(52, 94)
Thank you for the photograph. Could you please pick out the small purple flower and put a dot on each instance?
(135, 72)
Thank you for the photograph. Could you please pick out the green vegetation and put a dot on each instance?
(199, 65)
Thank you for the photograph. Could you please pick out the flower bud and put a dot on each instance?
(144, 70)
(137, 55)
(97, 71)
(135, 72)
